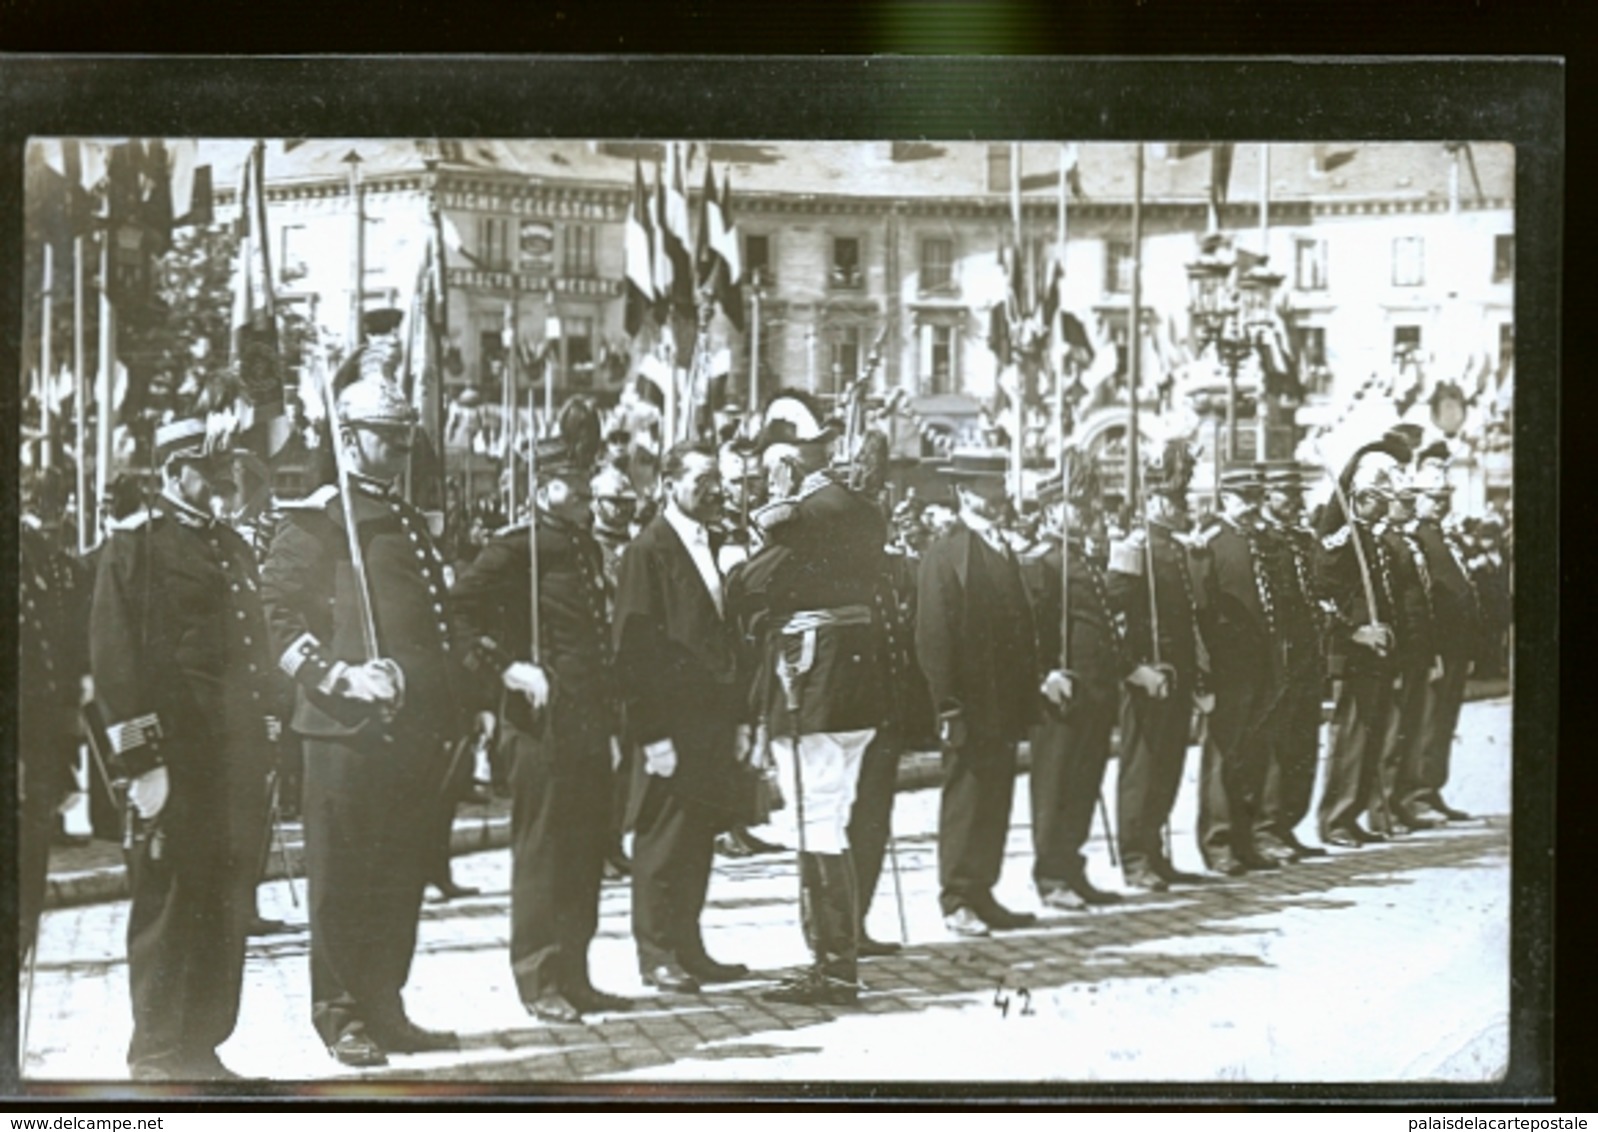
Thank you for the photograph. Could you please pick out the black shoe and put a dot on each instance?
(411, 1038)
(1001, 919)
(869, 948)
(209, 1067)
(1424, 818)
(1303, 850)
(1144, 878)
(1254, 861)
(754, 845)
(1092, 896)
(815, 989)
(707, 971)
(672, 979)
(358, 1051)
(554, 1008)
(260, 925)
(1449, 812)
(1170, 874)
(1368, 836)
(1343, 839)
(1274, 850)
(449, 890)
(592, 1001)
(1227, 866)
(728, 845)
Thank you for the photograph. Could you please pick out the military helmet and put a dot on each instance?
(372, 400)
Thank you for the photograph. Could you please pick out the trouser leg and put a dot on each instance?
(974, 821)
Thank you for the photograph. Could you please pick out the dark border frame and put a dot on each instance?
(1400, 99)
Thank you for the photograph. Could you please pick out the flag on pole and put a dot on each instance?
(640, 256)
(257, 358)
(1220, 179)
(679, 240)
(706, 261)
(659, 255)
(724, 238)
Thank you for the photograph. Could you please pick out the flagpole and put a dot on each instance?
(1020, 264)
(357, 251)
(754, 351)
(80, 389)
(1135, 330)
(1064, 361)
(511, 340)
(551, 324)
(47, 385)
(1261, 415)
(108, 346)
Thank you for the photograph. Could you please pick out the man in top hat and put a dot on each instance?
(805, 603)
(684, 695)
(1237, 610)
(1356, 578)
(1081, 679)
(1415, 659)
(558, 717)
(1294, 738)
(187, 702)
(1155, 729)
(1458, 623)
(974, 632)
(376, 729)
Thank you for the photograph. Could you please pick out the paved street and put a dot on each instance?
(1386, 963)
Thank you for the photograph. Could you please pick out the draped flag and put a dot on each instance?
(639, 255)
(659, 257)
(257, 356)
(1220, 180)
(678, 238)
(724, 238)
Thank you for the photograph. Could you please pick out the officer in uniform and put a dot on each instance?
(1459, 628)
(53, 657)
(1081, 684)
(1294, 741)
(1237, 611)
(186, 696)
(805, 603)
(376, 729)
(615, 507)
(558, 718)
(1357, 580)
(1155, 729)
(1416, 662)
(974, 630)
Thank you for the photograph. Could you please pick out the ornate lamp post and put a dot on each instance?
(1231, 310)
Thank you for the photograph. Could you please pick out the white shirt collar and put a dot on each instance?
(690, 530)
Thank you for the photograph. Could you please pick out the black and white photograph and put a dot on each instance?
(610, 610)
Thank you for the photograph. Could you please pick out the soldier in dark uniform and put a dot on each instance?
(1295, 737)
(1155, 729)
(1459, 627)
(1358, 583)
(1081, 683)
(974, 632)
(1237, 612)
(1416, 662)
(376, 729)
(53, 657)
(558, 718)
(186, 692)
(615, 506)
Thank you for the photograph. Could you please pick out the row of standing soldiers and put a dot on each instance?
(816, 660)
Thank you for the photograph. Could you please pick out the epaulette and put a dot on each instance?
(813, 483)
(774, 514)
(1336, 539)
(315, 501)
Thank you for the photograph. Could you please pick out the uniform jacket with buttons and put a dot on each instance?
(1412, 594)
(1236, 605)
(1338, 575)
(1098, 656)
(311, 600)
(1457, 604)
(53, 654)
(493, 596)
(180, 653)
(1128, 584)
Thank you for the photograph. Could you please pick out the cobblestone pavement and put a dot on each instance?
(1386, 963)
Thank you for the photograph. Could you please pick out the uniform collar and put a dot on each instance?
(367, 485)
(186, 513)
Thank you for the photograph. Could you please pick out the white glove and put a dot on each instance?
(147, 793)
(1377, 638)
(1152, 680)
(660, 759)
(530, 681)
(743, 742)
(486, 724)
(375, 682)
(1204, 702)
(1436, 672)
(1058, 688)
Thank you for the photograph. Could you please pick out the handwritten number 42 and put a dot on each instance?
(1001, 1000)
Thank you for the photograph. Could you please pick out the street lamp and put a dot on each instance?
(1230, 308)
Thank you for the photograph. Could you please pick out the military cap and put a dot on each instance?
(381, 320)
(977, 469)
(185, 437)
(1407, 434)
(1373, 472)
(553, 457)
(1435, 452)
(1282, 475)
(1170, 472)
(1240, 479)
(374, 401)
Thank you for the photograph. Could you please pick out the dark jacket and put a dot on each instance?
(975, 639)
(312, 602)
(1236, 607)
(53, 657)
(1180, 645)
(1098, 654)
(677, 665)
(1412, 595)
(1338, 577)
(1454, 597)
(493, 597)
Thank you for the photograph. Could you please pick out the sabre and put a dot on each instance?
(363, 591)
(1359, 546)
(532, 544)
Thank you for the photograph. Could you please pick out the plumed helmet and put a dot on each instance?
(374, 401)
(794, 417)
(578, 425)
(1170, 472)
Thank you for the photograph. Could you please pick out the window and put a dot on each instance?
(1310, 265)
(1118, 266)
(845, 359)
(493, 243)
(1409, 261)
(757, 259)
(1506, 348)
(291, 263)
(845, 272)
(942, 359)
(578, 250)
(998, 168)
(1309, 345)
(577, 333)
(1503, 258)
(937, 263)
(1406, 343)
(491, 360)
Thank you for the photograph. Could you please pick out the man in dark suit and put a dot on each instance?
(185, 692)
(677, 671)
(1459, 626)
(558, 718)
(1082, 678)
(976, 643)
(378, 705)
